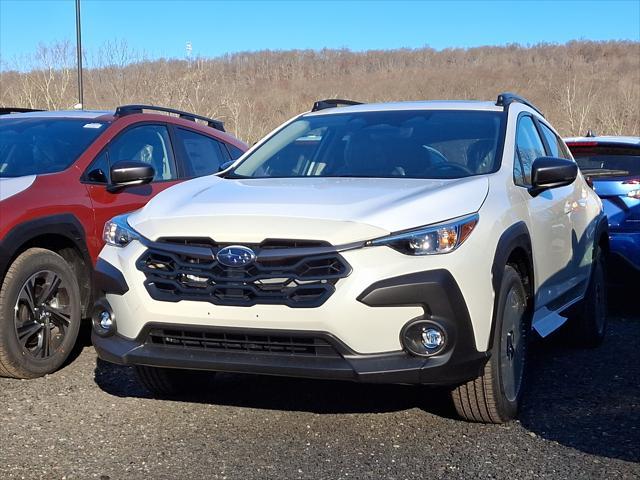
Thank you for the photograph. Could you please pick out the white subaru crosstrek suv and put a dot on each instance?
(412, 242)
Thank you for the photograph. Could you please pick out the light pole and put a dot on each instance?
(79, 53)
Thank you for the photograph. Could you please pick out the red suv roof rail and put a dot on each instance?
(8, 110)
(123, 110)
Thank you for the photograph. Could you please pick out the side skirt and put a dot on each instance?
(551, 317)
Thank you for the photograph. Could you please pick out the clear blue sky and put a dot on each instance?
(162, 28)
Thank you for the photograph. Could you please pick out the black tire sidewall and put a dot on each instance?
(26, 265)
(593, 335)
(507, 408)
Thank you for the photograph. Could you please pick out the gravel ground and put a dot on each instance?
(580, 419)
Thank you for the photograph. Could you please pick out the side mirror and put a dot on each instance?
(127, 174)
(551, 172)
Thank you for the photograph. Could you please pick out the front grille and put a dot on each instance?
(215, 341)
(187, 269)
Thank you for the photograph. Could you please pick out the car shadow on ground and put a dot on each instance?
(288, 394)
(83, 340)
(589, 399)
(585, 399)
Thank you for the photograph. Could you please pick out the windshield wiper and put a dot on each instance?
(232, 175)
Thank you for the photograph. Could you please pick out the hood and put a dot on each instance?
(337, 210)
(10, 186)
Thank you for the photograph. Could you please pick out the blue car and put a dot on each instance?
(612, 167)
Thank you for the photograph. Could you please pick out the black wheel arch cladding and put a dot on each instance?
(516, 237)
(64, 226)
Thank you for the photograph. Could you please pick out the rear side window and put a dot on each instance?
(31, 146)
(557, 147)
(148, 144)
(529, 147)
(204, 155)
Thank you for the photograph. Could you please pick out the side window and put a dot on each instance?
(557, 147)
(98, 172)
(204, 155)
(234, 151)
(529, 146)
(149, 144)
(565, 151)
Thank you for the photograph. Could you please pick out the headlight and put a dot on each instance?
(118, 233)
(431, 240)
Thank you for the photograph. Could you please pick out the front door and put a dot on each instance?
(149, 143)
(551, 234)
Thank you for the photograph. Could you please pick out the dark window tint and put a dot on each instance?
(31, 146)
(410, 144)
(204, 154)
(98, 172)
(557, 146)
(234, 151)
(529, 147)
(148, 144)
(605, 161)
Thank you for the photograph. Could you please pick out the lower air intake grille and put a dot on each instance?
(242, 342)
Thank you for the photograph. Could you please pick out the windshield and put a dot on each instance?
(410, 144)
(607, 161)
(31, 146)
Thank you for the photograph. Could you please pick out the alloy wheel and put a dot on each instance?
(42, 314)
(512, 344)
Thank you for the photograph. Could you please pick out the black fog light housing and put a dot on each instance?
(423, 338)
(102, 318)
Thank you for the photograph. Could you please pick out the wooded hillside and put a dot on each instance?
(579, 85)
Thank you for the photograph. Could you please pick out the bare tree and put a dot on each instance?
(579, 85)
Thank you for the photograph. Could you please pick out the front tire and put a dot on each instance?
(494, 396)
(39, 314)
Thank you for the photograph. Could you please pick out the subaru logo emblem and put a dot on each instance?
(235, 256)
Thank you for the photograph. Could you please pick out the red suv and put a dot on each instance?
(63, 174)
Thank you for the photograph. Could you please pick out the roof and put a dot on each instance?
(414, 105)
(622, 140)
(87, 114)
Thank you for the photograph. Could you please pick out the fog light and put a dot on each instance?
(103, 319)
(423, 337)
(432, 338)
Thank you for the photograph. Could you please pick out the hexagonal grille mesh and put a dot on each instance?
(297, 280)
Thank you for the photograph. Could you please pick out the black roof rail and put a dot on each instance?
(8, 110)
(123, 110)
(332, 103)
(507, 98)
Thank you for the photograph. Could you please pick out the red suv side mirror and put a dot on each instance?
(127, 174)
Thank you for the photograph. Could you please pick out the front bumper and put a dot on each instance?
(435, 293)
(396, 367)
(366, 329)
